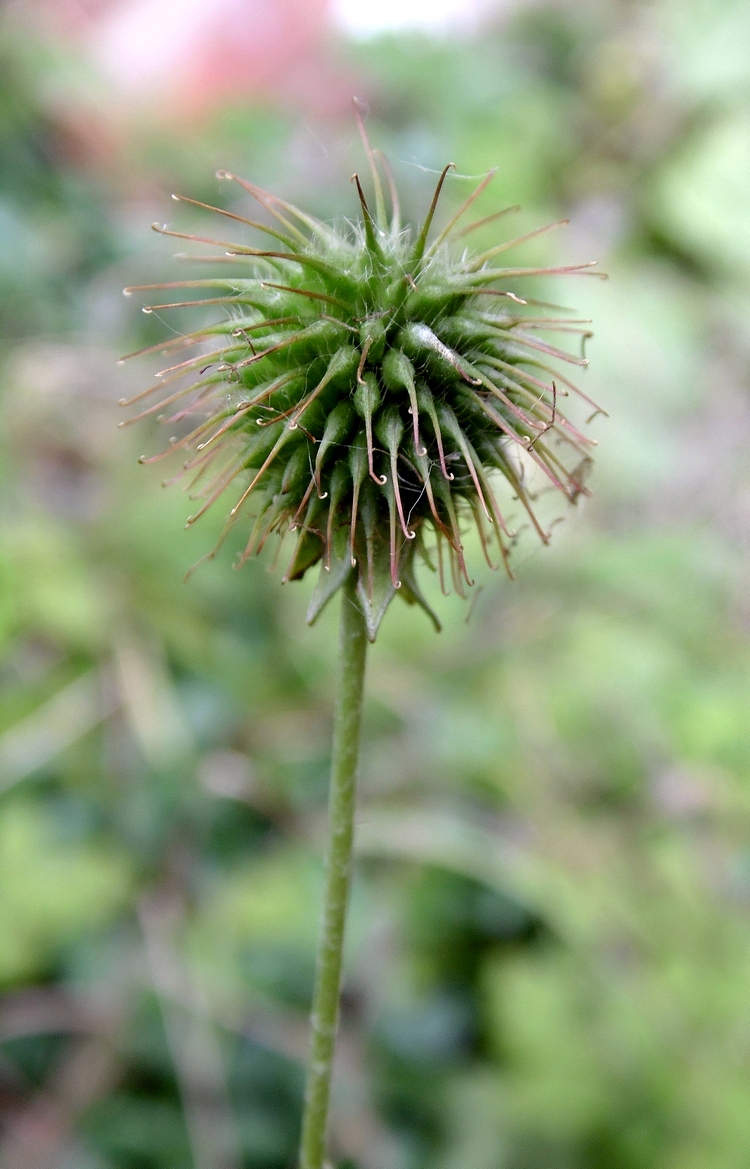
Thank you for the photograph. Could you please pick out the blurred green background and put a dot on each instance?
(549, 952)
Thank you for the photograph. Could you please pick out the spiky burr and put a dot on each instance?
(368, 391)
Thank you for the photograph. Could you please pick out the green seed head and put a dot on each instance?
(367, 394)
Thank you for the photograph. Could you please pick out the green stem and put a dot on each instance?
(325, 1008)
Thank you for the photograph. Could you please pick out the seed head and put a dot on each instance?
(368, 391)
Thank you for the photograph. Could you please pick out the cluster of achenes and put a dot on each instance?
(362, 393)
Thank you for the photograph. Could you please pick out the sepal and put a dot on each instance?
(375, 587)
(333, 574)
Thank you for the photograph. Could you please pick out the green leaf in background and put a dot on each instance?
(53, 892)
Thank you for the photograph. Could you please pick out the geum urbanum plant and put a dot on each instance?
(368, 391)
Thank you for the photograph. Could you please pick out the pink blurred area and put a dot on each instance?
(180, 59)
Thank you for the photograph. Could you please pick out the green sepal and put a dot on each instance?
(343, 363)
(261, 442)
(331, 578)
(398, 371)
(367, 396)
(458, 330)
(373, 331)
(307, 553)
(425, 347)
(296, 471)
(390, 430)
(374, 604)
(337, 427)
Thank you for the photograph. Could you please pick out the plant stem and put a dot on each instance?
(341, 804)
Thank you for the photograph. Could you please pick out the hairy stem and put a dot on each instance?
(325, 1009)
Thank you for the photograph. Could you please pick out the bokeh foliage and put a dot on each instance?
(550, 944)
